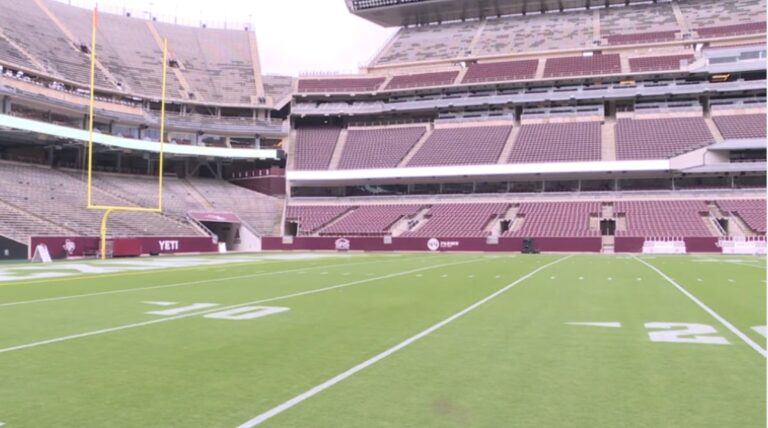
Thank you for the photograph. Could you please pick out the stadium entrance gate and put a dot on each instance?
(229, 229)
(12, 250)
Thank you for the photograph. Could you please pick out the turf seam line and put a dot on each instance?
(221, 308)
(181, 284)
(707, 309)
(263, 417)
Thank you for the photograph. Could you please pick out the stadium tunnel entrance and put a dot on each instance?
(229, 230)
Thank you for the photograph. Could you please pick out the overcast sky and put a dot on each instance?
(295, 36)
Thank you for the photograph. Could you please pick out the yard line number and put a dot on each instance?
(237, 314)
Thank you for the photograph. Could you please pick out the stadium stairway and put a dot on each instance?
(416, 147)
(608, 148)
(596, 31)
(74, 42)
(333, 221)
(681, 21)
(197, 195)
(625, 67)
(175, 70)
(737, 227)
(509, 145)
(714, 129)
(339, 149)
(540, 69)
(256, 62)
(28, 56)
(711, 223)
(478, 35)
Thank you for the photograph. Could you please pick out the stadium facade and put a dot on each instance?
(582, 125)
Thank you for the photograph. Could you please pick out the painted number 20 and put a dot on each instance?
(684, 333)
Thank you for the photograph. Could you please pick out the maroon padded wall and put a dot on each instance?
(702, 245)
(78, 246)
(628, 244)
(273, 185)
(313, 243)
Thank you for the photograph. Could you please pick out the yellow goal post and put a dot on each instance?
(109, 209)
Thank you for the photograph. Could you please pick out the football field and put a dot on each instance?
(395, 340)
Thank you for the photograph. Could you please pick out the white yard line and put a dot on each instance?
(224, 308)
(709, 310)
(748, 265)
(367, 363)
(182, 284)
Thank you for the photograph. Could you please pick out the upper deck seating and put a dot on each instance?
(462, 146)
(378, 148)
(314, 147)
(557, 142)
(741, 126)
(660, 138)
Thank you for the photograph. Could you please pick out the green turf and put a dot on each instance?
(95, 358)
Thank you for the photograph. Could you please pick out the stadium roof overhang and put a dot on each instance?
(42, 129)
(395, 13)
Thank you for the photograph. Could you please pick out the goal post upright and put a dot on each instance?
(109, 209)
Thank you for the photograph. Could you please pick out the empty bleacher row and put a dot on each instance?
(504, 71)
(634, 218)
(462, 146)
(379, 148)
(660, 138)
(750, 211)
(52, 38)
(741, 126)
(571, 219)
(636, 138)
(576, 30)
(60, 199)
(662, 218)
(44, 201)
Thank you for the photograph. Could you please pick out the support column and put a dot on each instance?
(7, 105)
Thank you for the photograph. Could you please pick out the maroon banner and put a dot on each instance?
(61, 247)
(315, 243)
(702, 245)
(628, 244)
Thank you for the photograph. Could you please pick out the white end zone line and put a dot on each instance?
(181, 284)
(752, 344)
(367, 363)
(224, 308)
